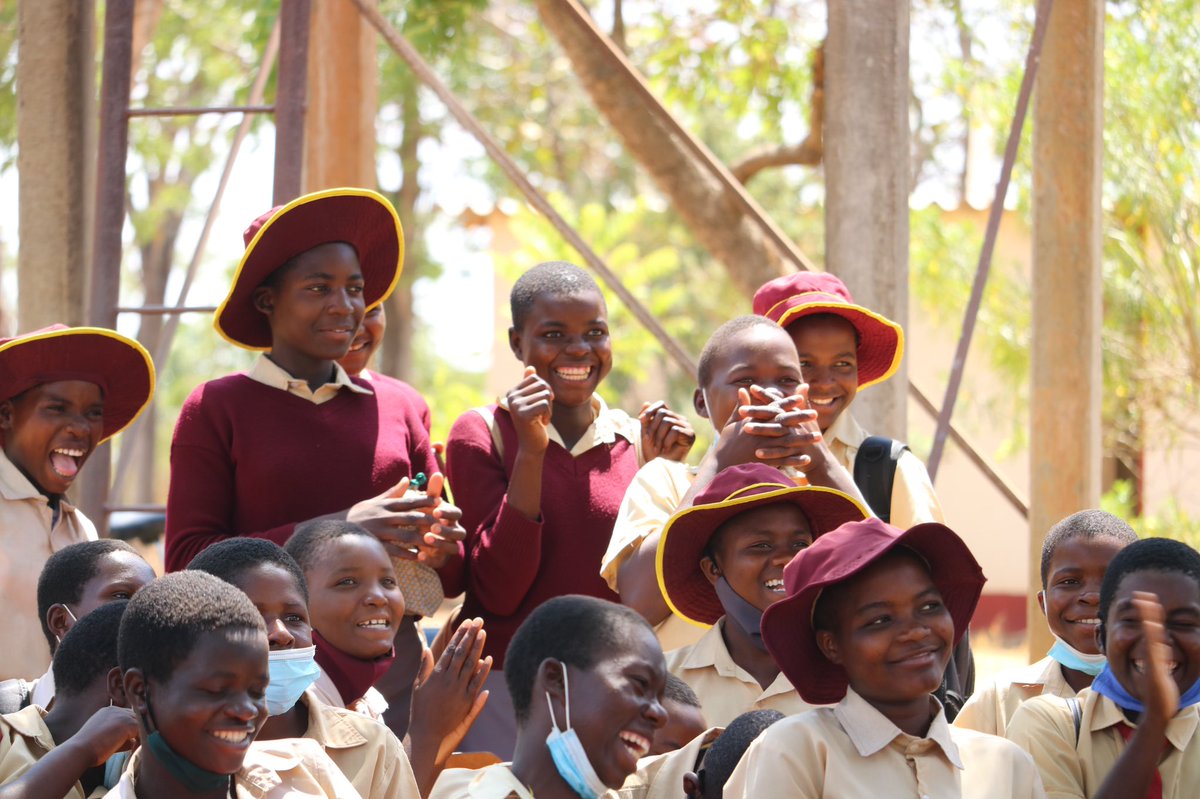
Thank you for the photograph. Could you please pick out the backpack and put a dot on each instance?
(875, 475)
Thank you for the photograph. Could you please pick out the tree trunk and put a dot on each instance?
(396, 356)
(717, 223)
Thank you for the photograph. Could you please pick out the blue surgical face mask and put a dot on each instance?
(292, 672)
(1070, 657)
(741, 612)
(567, 751)
(113, 768)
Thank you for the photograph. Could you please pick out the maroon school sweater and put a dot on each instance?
(250, 459)
(513, 563)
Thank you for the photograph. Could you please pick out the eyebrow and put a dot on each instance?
(329, 276)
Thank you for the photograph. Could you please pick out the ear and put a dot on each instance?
(700, 403)
(6, 415)
(264, 300)
(710, 569)
(134, 683)
(58, 620)
(116, 687)
(828, 646)
(692, 787)
(549, 679)
(1100, 638)
(514, 343)
(1041, 598)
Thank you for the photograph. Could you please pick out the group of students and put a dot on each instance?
(812, 606)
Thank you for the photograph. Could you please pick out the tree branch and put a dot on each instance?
(808, 152)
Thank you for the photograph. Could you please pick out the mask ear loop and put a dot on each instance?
(566, 700)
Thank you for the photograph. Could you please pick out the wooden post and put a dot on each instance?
(55, 133)
(1065, 447)
(339, 131)
(867, 176)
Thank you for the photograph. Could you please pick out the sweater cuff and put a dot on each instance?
(511, 519)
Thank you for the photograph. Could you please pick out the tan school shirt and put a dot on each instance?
(493, 782)
(1045, 727)
(365, 751)
(852, 751)
(29, 535)
(24, 740)
(992, 706)
(290, 768)
(913, 498)
(269, 373)
(371, 705)
(661, 776)
(725, 689)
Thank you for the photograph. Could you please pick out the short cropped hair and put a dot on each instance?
(233, 557)
(1148, 554)
(679, 692)
(88, 651)
(552, 278)
(725, 753)
(1087, 524)
(67, 571)
(310, 538)
(579, 631)
(166, 619)
(721, 337)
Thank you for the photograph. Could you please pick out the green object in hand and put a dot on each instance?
(419, 481)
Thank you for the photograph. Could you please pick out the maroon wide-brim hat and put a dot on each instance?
(881, 341)
(119, 365)
(362, 218)
(735, 490)
(787, 626)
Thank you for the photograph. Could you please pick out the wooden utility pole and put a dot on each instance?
(1065, 447)
(867, 176)
(339, 129)
(55, 166)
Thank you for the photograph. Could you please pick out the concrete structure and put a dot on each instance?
(867, 179)
(1065, 444)
(55, 134)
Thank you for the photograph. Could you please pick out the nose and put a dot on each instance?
(345, 303)
(575, 345)
(817, 375)
(278, 635)
(782, 556)
(655, 713)
(244, 707)
(1090, 596)
(915, 629)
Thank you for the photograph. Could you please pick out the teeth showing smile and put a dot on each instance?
(774, 585)
(1139, 665)
(231, 736)
(821, 402)
(65, 461)
(573, 373)
(638, 744)
(1093, 621)
(375, 624)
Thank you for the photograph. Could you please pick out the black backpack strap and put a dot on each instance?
(1076, 716)
(875, 472)
(14, 695)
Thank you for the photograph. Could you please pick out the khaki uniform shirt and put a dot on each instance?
(290, 768)
(661, 776)
(271, 374)
(852, 751)
(992, 705)
(655, 493)
(29, 535)
(913, 498)
(493, 782)
(365, 751)
(1044, 726)
(726, 690)
(372, 704)
(24, 740)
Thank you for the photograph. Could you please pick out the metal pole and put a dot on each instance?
(291, 99)
(989, 240)
(113, 144)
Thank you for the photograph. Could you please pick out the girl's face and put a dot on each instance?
(51, 429)
(760, 355)
(1071, 600)
(617, 706)
(828, 352)
(370, 336)
(274, 592)
(214, 704)
(119, 575)
(1125, 643)
(889, 630)
(751, 549)
(354, 600)
(316, 304)
(565, 338)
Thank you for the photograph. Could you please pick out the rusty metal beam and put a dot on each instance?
(196, 111)
(291, 99)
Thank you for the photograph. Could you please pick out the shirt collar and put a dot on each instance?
(710, 652)
(1045, 672)
(1180, 729)
(15, 486)
(30, 722)
(269, 373)
(497, 782)
(607, 424)
(846, 431)
(327, 726)
(870, 731)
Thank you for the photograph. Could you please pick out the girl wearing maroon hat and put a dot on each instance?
(296, 438)
(870, 620)
(63, 391)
